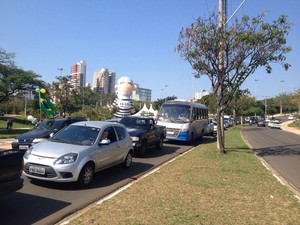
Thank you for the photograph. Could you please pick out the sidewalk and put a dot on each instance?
(285, 127)
(5, 144)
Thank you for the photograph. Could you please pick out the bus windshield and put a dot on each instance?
(174, 113)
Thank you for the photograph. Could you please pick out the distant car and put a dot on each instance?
(274, 124)
(291, 117)
(42, 132)
(1, 113)
(215, 127)
(210, 127)
(228, 121)
(226, 124)
(261, 123)
(79, 150)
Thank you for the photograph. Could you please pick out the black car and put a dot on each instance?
(144, 133)
(42, 131)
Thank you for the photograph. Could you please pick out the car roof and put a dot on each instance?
(63, 119)
(99, 124)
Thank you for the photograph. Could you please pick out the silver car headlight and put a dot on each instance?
(28, 152)
(16, 140)
(135, 138)
(37, 140)
(67, 159)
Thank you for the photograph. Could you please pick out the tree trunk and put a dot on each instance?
(220, 131)
(234, 117)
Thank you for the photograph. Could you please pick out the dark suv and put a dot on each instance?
(41, 132)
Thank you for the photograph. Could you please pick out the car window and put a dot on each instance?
(111, 134)
(120, 132)
(81, 135)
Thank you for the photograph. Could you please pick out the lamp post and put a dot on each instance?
(266, 106)
(166, 92)
(255, 88)
(61, 69)
(281, 96)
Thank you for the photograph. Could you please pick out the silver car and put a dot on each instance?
(79, 150)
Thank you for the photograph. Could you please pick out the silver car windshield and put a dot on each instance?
(79, 135)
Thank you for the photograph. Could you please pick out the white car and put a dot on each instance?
(76, 152)
(291, 117)
(210, 127)
(274, 124)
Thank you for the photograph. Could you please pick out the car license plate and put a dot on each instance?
(170, 132)
(23, 147)
(37, 170)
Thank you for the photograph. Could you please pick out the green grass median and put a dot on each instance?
(20, 126)
(203, 187)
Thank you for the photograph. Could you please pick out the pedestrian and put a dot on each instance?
(9, 123)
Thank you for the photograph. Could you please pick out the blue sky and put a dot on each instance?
(134, 38)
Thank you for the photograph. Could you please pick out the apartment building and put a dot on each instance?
(142, 94)
(104, 81)
(78, 74)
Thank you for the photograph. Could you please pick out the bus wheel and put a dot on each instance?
(192, 139)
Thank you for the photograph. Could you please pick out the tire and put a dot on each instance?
(86, 175)
(127, 161)
(159, 144)
(143, 150)
(192, 139)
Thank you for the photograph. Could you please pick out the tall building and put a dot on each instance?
(78, 74)
(142, 94)
(201, 94)
(104, 81)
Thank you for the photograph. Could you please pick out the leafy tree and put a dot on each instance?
(241, 102)
(158, 103)
(62, 91)
(14, 80)
(296, 99)
(229, 56)
(210, 102)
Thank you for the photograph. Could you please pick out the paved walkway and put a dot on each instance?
(284, 126)
(5, 144)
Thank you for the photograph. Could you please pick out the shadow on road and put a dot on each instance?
(31, 214)
(278, 150)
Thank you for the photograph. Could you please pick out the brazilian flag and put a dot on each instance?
(45, 103)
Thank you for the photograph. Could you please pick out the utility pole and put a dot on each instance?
(61, 69)
(221, 76)
(255, 88)
(266, 107)
(281, 96)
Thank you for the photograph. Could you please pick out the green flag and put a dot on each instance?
(45, 103)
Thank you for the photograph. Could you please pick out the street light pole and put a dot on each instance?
(166, 92)
(281, 96)
(255, 88)
(61, 69)
(266, 106)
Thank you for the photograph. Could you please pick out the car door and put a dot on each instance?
(108, 153)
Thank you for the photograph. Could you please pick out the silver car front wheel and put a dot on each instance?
(86, 175)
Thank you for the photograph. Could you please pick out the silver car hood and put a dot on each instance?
(56, 149)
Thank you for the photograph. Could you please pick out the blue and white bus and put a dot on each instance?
(184, 120)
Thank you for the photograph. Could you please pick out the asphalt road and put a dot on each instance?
(40, 202)
(280, 149)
